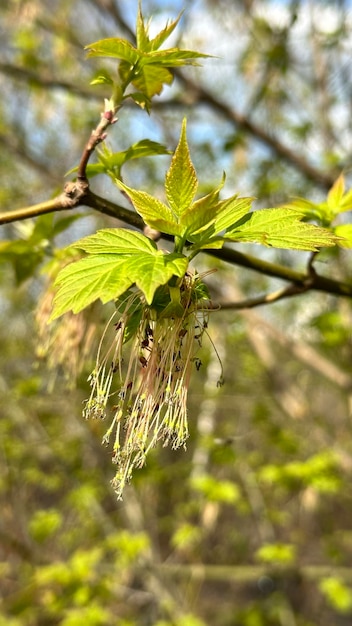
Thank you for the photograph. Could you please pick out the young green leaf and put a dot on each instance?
(118, 258)
(156, 214)
(116, 241)
(82, 282)
(344, 233)
(220, 217)
(150, 271)
(202, 213)
(280, 228)
(231, 210)
(325, 212)
(151, 80)
(114, 47)
(174, 57)
(164, 34)
(336, 194)
(142, 36)
(111, 162)
(310, 210)
(181, 181)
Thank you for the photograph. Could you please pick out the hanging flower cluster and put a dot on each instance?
(149, 388)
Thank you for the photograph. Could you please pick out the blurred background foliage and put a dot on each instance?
(251, 525)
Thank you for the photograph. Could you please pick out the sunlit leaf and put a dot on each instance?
(281, 228)
(82, 282)
(114, 47)
(116, 241)
(163, 35)
(174, 57)
(344, 232)
(181, 180)
(111, 162)
(154, 212)
(118, 258)
(150, 81)
(220, 217)
(336, 193)
(142, 37)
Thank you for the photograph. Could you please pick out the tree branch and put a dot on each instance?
(13, 145)
(77, 194)
(323, 179)
(48, 82)
(269, 298)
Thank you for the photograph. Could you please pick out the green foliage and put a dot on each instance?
(185, 620)
(117, 259)
(338, 201)
(44, 523)
(120, 259)
(320, 471)
(186, 536)
(273, 445)
(145, 67)
(276, 554)
(111, 163)
(337, 594)
(216, 490)
(280, 228)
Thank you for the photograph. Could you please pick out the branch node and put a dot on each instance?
(74, 193)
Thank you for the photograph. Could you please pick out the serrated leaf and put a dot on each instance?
(336, 193)
(155, 213)
(337, 202)
(114, 47)
(231, 210)
(174, 57)
(117, 259)
(151, 271)
(151, 79)
(113, 161)
(208, 243)
(344, 232)
(181, 181)
(346, 202)
(146, 147)
(142, 37)
(118, 241)
(163, 35)
(280, 228)
(225, 213)
(82, 282)
(141, 100)
(201, 215)
(310, 210)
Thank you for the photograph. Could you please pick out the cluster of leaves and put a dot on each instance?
(338, 201)
(117, 258)
(144, 67)
(266, 496)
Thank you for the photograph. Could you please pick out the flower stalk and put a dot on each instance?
(149, 388)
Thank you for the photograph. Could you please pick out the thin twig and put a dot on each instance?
(97, 136)
(48, 81)
(269, 298)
